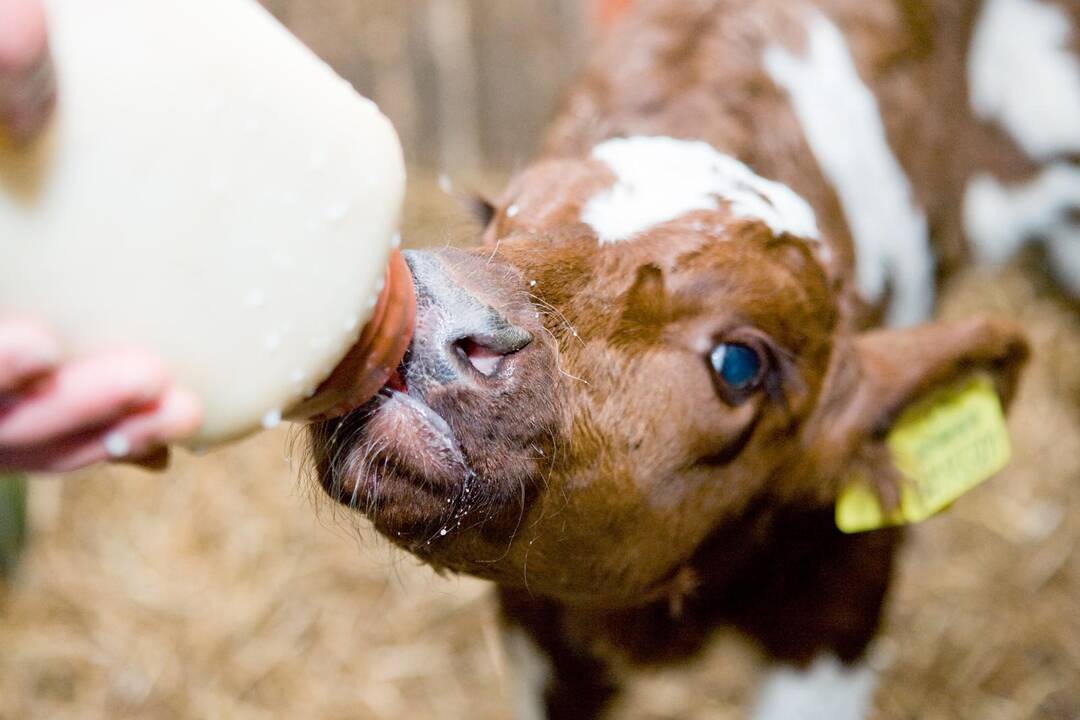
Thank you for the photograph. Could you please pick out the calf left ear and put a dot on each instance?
(881, 373)
(480, 208)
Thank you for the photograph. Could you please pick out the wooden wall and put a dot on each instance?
(470, 84)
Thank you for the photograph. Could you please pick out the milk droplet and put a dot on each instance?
(532, 283)
(271, 419)
(395, 242)
(272, 342)
(117, 445)
(512, 211)
(352, 323)
(297, 375)
(372, 302)
(445, 183)
(443, 532)
(254, 298)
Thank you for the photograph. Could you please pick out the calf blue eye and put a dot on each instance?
(738, 366)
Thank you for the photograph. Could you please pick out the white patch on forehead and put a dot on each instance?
(1023, 75)
(827, 689)
(843, 126)
(658, 179)
(999, 220)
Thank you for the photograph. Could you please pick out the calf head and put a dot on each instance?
(621, 369)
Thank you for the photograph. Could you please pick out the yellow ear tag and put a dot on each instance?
(943, 446)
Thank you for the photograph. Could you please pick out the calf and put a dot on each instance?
(634, 407)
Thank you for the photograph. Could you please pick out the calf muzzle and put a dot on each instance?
(459, 336)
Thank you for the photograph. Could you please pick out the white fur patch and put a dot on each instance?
(843, 126)
(532, 672)
(1063, 246)
(1023, 75)
(827, 690)
(659, 179)
(999, 220)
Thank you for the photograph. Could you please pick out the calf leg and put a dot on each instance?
(554, 679)
(826, 689)
(816, 605)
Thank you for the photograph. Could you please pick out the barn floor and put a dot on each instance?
(229, 588)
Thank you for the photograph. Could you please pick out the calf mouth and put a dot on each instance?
(457, 438)
(401, 465)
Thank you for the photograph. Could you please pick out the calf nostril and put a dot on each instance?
(484, 359)
(485, 353)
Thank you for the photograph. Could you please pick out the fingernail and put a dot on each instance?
(181, 415)
(146, 385)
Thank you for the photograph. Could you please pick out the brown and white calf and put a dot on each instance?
(634, 406)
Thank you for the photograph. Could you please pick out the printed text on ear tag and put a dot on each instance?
(943, 446)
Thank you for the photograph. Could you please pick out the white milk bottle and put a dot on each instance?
(210, 190)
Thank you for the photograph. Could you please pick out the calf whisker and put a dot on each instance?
(550, 309)
(558, 360)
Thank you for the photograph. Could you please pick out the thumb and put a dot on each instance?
(27, 82)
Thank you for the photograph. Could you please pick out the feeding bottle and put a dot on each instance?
(210, 190)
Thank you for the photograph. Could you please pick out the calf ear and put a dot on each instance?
(880, 373)
(480, 208)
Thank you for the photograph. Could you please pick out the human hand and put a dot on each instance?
(60, 416)
(27, 81)
(57, 417)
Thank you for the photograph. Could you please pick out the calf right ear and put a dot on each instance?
(878, 374)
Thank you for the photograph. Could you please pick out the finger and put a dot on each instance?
(26, 102)
(27, 80)
(138, 439)
(177, 416)
(82, 395)
(26, 351)
(22, 33)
